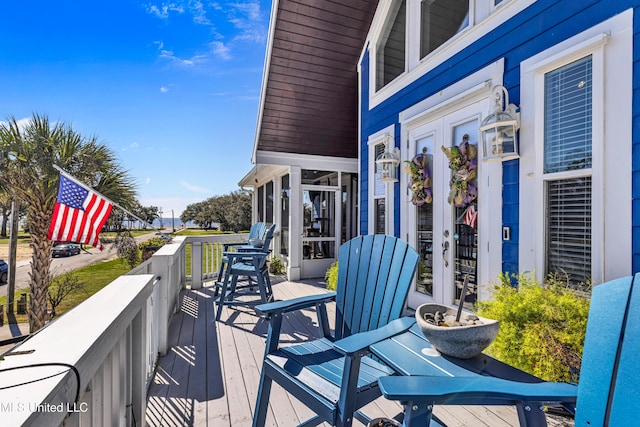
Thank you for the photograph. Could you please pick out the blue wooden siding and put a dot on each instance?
(539, 27)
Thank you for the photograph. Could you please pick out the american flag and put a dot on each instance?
(79, 214)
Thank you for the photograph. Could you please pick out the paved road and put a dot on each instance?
(62, 265)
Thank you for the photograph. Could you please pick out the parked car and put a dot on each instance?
(4, 271)
(65, 250)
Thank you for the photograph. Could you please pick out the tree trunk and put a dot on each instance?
(41, 262)
(5, 221)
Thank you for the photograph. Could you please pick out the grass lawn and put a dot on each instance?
(203, 232)
(135, 233)
(94, 277)
(22, 238)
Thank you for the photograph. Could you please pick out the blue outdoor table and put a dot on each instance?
(411, 354)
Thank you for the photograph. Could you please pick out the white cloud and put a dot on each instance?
(165, 9)
(195, 8)
(194, 188)
(148, 180)
(190, 62)
(132, 146)
(164, 89)
(220, 50)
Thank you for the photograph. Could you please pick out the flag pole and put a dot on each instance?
(88, 188)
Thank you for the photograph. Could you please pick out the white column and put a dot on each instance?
(295, 223)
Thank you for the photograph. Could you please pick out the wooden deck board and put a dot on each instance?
(211, 372)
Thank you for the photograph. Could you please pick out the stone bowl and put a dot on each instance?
(462, 342)
(256, 243)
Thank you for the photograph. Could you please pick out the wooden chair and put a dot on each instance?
(333, 376)
(607, 394)
(248, 262)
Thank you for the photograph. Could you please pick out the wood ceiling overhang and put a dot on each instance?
(310, 95)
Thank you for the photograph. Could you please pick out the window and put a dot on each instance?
(567, 129)
(390, 56)
(575, 171)
(379, 194)
(567, 169)
(441, 20)
(380, 202)
(568, 239)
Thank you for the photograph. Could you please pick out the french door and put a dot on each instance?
(441, 219)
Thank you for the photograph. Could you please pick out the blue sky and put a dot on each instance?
(172, 87)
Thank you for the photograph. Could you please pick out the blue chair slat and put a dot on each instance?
(625, 400)
(332, 377)
(475, 390)
(604, 331)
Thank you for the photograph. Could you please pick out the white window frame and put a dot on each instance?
(484, 17)
(375, 139)
(610, 46)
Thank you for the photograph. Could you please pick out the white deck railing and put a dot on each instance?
(92, 365)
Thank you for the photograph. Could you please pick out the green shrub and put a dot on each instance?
(542, 327)
(331, 276)
(276, 266)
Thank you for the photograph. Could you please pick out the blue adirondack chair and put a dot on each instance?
(333, 375)
(257, 231)
(607, 394)
(246, 262)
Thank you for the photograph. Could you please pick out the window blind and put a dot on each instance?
(568, 117)
(569, 228)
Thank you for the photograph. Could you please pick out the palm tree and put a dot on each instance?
(27, 155)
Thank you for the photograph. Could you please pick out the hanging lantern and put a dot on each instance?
(500, 129)
(387, 163)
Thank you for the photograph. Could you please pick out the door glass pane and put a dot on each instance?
(319, 224)
(465, 207)
(421, 180)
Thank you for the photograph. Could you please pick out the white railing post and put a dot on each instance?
(196, 265)
(159, 269)
(139, 366)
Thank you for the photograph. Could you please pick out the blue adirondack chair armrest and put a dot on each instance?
(468, 390)
(359, 343)
(232, 256)
(279, 307)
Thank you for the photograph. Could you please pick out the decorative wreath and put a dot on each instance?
(419, 179)
(463, 162)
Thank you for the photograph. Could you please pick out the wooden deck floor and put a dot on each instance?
(210, 375)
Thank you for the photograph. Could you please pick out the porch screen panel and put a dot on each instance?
(569, 228)
(568, 117)
(284, 215)
(260, 207)
(269, 203)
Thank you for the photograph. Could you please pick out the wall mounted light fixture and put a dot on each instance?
(387, 162)
(500, 129)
